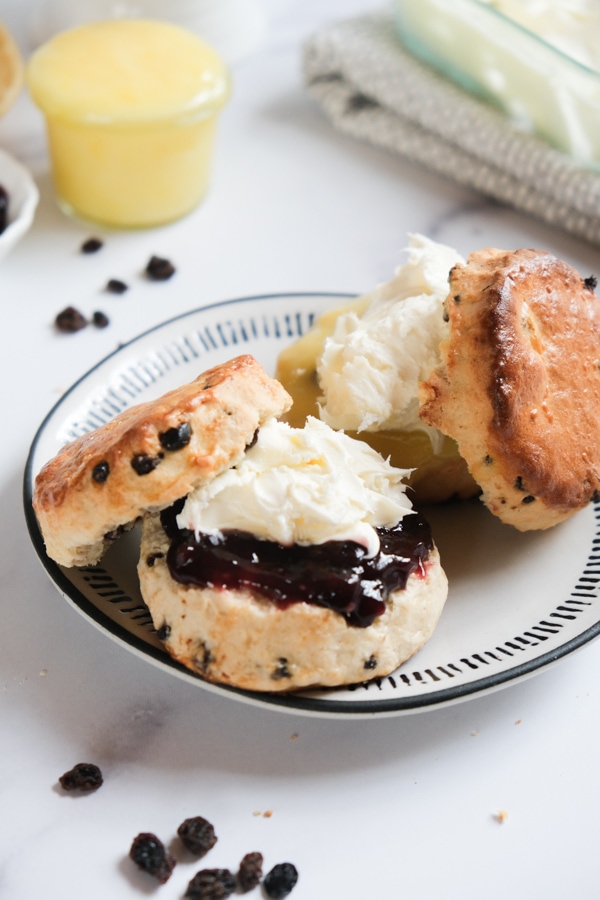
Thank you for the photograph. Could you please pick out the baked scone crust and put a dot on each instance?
(238, 638)
(519, 384)
(220, 412)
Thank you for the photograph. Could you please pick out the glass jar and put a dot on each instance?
(131, 107)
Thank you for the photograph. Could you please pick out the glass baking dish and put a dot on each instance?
(492, 56)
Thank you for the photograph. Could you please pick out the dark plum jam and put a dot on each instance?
(337, 574)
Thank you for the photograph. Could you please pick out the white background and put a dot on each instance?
(393, 808)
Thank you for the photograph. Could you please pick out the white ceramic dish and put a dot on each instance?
(517, 602)
(23, 200)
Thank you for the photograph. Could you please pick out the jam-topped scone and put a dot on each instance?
(272, 558)
(303, 566)
(518, 385)
(149, 456)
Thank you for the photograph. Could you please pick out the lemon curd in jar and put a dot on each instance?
(131, 107)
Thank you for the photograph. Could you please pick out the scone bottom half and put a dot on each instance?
(518, 388)
(242, 638)
(149, 456)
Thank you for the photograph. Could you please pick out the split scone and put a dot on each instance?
(272, 558)
(149, 456)
(484, 375)
(518, 384)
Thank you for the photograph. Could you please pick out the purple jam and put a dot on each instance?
(337, 574)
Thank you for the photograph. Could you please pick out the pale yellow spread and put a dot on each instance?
(130, 108)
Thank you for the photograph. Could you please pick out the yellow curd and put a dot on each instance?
(131, 108)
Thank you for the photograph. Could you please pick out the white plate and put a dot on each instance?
(517, 602)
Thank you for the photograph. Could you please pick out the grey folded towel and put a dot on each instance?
(370, 87)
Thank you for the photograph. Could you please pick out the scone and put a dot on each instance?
(265, 614)
(241, 638)
(497, 358)
(518, 386)
(149, 456)
(272, 558)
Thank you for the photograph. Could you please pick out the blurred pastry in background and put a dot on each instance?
(11, 70)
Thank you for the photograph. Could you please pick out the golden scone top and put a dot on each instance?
(519, 384)
(149, 456)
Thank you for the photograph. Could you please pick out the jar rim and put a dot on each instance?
(142, 57)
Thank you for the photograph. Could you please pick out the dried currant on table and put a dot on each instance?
(148, 853)
(280, 881)
(91, 245)
(197, 835)
(211, 884)
(82, 777)
(70, 320)
(159, 269)
(116, 286)
(250, 872)
(100, 319)
(4, 199)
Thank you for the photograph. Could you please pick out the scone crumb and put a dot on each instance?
(267, 814)
(294, 736)
(501, 816)
(518, 722)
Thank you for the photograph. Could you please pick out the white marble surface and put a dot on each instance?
(390, 808)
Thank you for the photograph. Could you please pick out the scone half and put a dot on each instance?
(519, 384)
(242, 638)
(149, 456)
